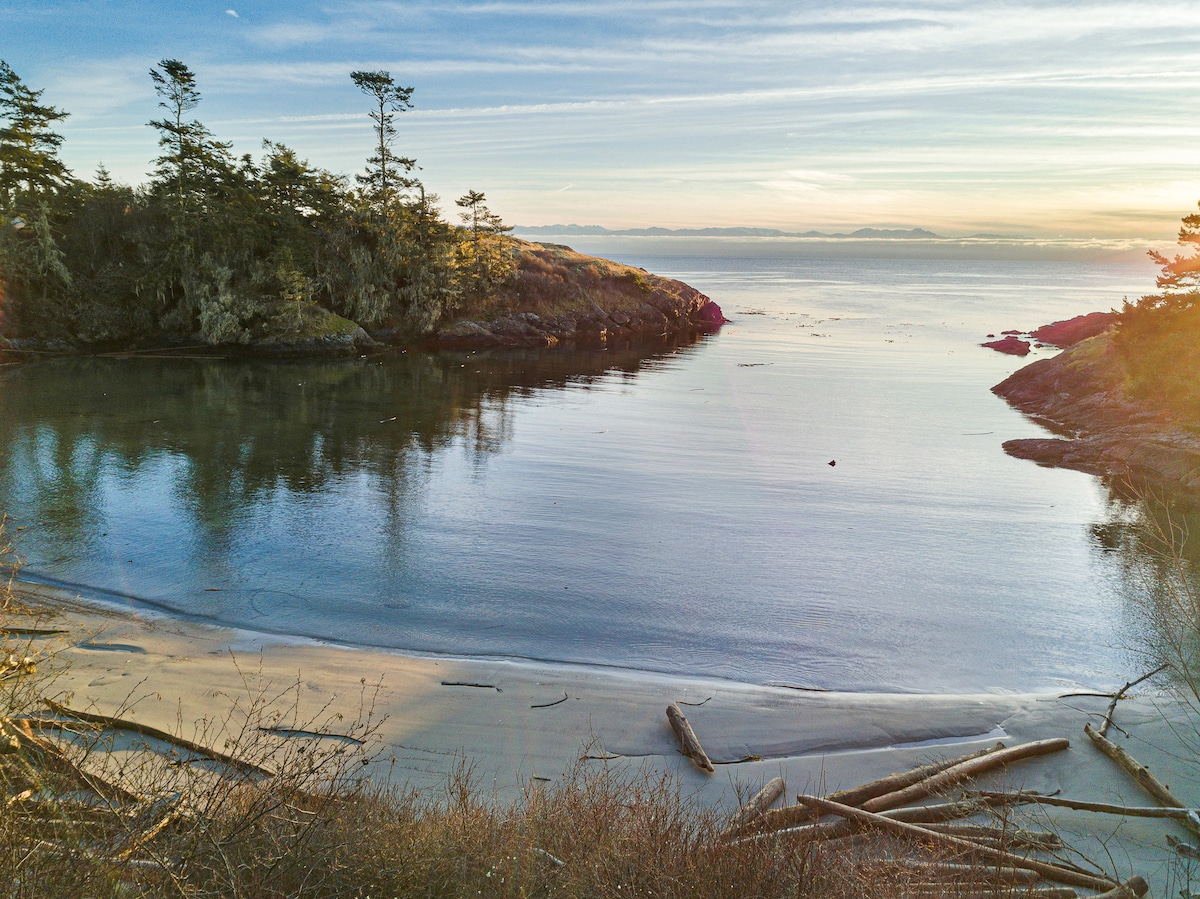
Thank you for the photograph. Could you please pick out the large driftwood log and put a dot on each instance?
(687, 739)
(781, 818)
(758, 804)
(1050, 872)
(147, 731)
(962, 771)
(1140, 773)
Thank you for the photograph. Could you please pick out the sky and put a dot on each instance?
(1071, 119)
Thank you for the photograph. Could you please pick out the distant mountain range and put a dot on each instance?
(874, 233)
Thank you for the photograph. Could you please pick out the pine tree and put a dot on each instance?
(194, 165)
(30, 169)
(387, 174)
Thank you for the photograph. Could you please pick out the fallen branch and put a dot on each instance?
(153, 732)
(1133, 888)
(1112, 706)
(462, 683)
(1104, 808)
(1035, 839)
(1050, 872)
(141, 839)
(301, 732)
(690, 746)
(1005, 873)
(962, 771)
(1140, 773)
(759, 803)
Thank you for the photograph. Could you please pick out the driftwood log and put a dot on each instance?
(778, 819)
(1140, 773)
(962, 771)
(759, 803)
(688, 743)
(1049, 871)
(37, 753)
(1003, 873)
(153, 732)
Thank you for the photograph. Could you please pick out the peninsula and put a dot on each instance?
(279, 255)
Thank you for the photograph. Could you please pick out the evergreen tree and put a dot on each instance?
(484, 257)
(194, 166)
(30, 169)
(1181, 274)
(387, 174)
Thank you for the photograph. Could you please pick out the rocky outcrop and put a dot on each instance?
(1073, 330)
(1080, 395)
(1014, 346)
(659, 316)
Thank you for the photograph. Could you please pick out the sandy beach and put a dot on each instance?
(514, 721)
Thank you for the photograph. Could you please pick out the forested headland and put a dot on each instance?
(226, 250)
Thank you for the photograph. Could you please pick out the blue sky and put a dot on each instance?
(1045, 119)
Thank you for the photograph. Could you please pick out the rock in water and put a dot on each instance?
(1014, 346)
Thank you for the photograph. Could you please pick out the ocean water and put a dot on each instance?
(671, 509)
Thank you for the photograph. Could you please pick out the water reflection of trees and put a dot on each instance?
(233, 431)
(1152, 534)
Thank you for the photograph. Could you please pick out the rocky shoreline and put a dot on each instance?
(556, 296)
(1081, 396)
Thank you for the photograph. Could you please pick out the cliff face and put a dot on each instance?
(556, 294)
(1088, 394)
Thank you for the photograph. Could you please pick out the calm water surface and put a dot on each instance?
(672, 512)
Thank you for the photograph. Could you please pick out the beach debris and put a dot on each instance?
(701, 702)
(1104, 808)
(741, 761)
(1002, 873)
(146, 730)
(797, 814)
(546, 705)
(1141, 774)
(757, 804)
(1056, 873)
(36, 753)
(463, 683)
(689, 745)
(1112, 706)
(282, 731)
(962, 771)
(1033, 839)
(1133, 888)
(14, 666)
(1187, 850)
(31, 631)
